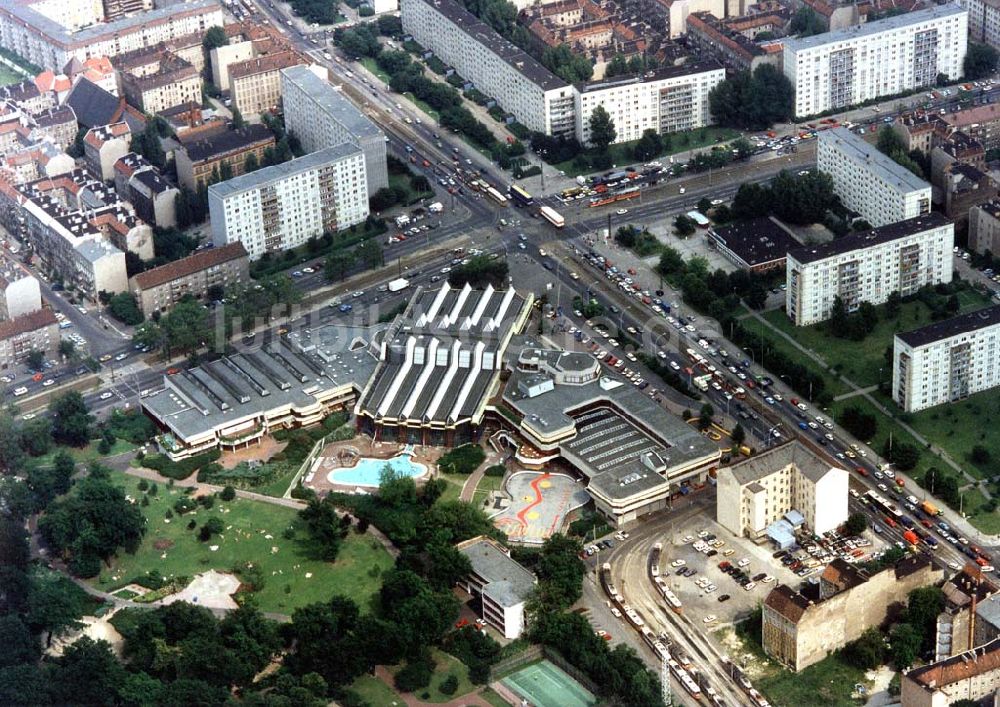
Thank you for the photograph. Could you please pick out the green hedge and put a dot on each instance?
(462, 460)
(496, 470)
(182, 469)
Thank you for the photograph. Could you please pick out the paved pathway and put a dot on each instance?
(853, 393)
(472, 483)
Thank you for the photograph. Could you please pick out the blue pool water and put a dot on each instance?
(368, 471)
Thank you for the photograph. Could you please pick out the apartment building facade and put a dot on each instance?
(984, 227)
(280, 207)
(256, 83)
(159, 289)
(972, 676)
(947, 361)
(141, 184)
(167, 80)
(47, 43)
(867, 267)
(321, 117)
(37, 331)
(222, 150)
(537, 98)
(502, 583)
(868, 182)
(105, 145)
(984, 21)
(757, 492)
(668, 100)
(882, 58)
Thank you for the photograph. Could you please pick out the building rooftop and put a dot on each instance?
(766, 463)
(869, 239)
(26, 323)
(221, 142)
(507, 582)
(964, 666)
(66, 38)
(787, 602)
(255, 179)
(666, 72)
(945, 329)
(239, 387)
(486, 36)
(843, 575)
(858, 150)
(334, 103)
(755, 242)
(193, 263)
(263, 64)
(869, 29)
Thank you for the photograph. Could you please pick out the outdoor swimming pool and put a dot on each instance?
(368, 471)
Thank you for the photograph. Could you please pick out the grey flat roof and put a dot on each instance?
(256, 179)
(989, 610)
(855, 148)
(253, 382)
(615, 425)
(793, 452)
(507, 582)
(125, 25)
(962, 324)
(869, 239)
(334, 103)
(871, 28)
(510, 53)
(666, 72)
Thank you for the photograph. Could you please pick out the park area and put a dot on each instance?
(864, 361)
(263, 541)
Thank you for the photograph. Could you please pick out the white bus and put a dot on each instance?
(496, 196)
(552, 216)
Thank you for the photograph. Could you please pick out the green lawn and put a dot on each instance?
(376, 692)
(280, 484)
(85, 454)
(958, 427)
(621, 153)
(373, 67)
(454, 488)
(861, 360)
(248, 523)
(491, 696)
(778, 343)
(423, 106)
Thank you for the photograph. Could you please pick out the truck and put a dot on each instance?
(400, 283)
(402, 220)
(436, 207)
(701, 382)
(929, 508)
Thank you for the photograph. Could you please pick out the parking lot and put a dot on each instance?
(690, 565)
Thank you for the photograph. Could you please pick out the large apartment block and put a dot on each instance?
(159, 289)
(669, 100)
(984, 21)
(947, 361)
(868, 267)
(42, 37)
(868, 182)
(881, 58)
(320, 116)
(280, 207)
(522, 86)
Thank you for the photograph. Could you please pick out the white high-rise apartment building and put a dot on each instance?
(539, 99)
(321, 116)
(984, 21)
(881, 58)
(281, 207)
(868, 182)
(867, 267)
(671, 99)
(947, 361)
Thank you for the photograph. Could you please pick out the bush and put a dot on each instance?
(496, 470)
(182, 469)
(228, 493)
(415, 675)
(462, 460)
(183, 505)
(449, 686)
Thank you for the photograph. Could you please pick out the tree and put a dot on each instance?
(856, 524)
(71, 421)
(859, 423)
(324, 528)
(51, 609)
(566, 64)
(980, 61)
(753, 101)
(214, 38)
(805, 23)
(648, 146)
(19, 645)
(865, 653)
(335, 267)
(250, 164)
(684, 225)
(125, 309)
(705, 416)
(923, 607)
(904, 645)
(602, 129)
(35, 359)
(479, 272)
(67, 348)
(184, 328)
(738, 434)
(560, 572)
(238, 121)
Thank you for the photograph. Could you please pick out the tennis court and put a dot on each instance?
(542, 684)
